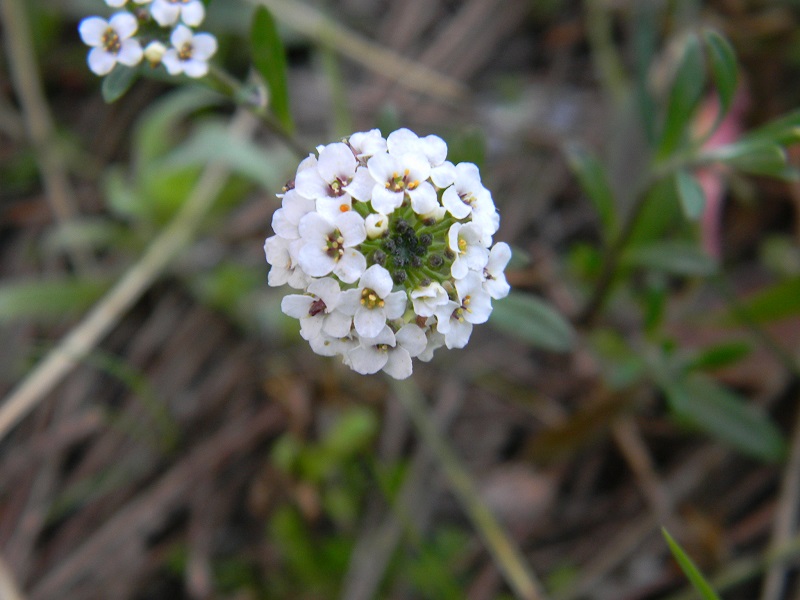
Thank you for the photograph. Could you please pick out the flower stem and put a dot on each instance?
(252, 100)
(502, 547)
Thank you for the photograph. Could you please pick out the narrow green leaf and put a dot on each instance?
(777, 302)
(691, 195)
(674, 257)
(533, 321)
(47, 300)
(783, 130)
(689, 569)
(119, 81)
(719, 356)
(723, 68)
(213, 142)
(703, 404)
(269, 59)
(687, 89)
(593, 181)
(754, 157)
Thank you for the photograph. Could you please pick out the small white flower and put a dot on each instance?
(476, 304)
(467, 192)
(495, 282)
(189, 53)
(328, 246)
(373, 302)
(466, 242)
(377, 224)
(167, 12)
(112, 42)
(282, 255)
(398, 176)
(317, 310)
(329, 183)
(426, 299)
(372, 353)
(404, 141)
(450, 322)
(411, 342)
(366, 144)
(286, 219)
(154, 52)
(388, 351)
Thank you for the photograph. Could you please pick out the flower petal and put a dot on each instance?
(367, 360)
(336, 161)
(100, 61)
(337, 324)
(369, 321)
(398, 364)
(125, 24)
(350, 265)
(378, 279)
(130, 53)
(296, 305)
(193, 13)
(92, 29)
(195, 68)
(204, 45)
(412, 338)
(395, 304)
(385, 201)
(351, 226)
(423, 199)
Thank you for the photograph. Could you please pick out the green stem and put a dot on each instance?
(228, 85)
(507, 555)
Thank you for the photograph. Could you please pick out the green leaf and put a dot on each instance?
(783, 130)
(675, 257)
(703, 404)
(153, 135)
(691, 195)
(777, 302)
(689, 569)
(723, 68)
(719, 356)
(687, 89)
(47, 300)
(529, 319)
(594, 183)
(214, 142)
(754, 157)
(269, 59)
(117, 82)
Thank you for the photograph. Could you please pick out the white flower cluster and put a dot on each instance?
(158, 31)
(391, 245)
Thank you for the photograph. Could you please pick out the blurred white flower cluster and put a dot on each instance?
(391, 245)
(158, 31)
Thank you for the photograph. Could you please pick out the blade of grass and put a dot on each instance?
(689, 568)
(507, 555)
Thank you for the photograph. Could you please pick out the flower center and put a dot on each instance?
(370, 299)
(110, 41)
(334, 245)
(337, 186)
(317, 306)
(467, 199)
(399, 183)
(185, 52)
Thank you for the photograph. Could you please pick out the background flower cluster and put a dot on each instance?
(156, 31)
(391, 245)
